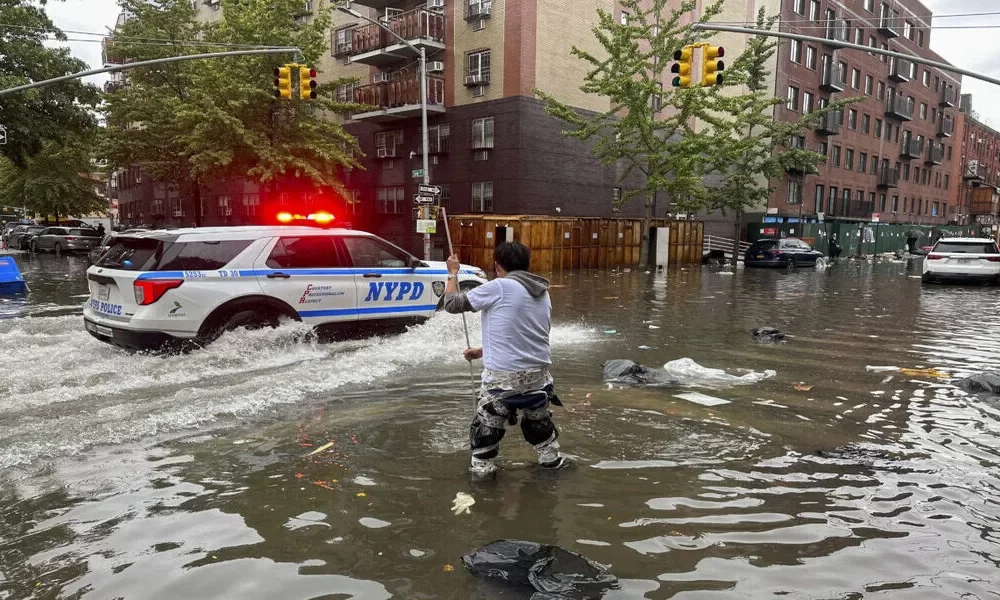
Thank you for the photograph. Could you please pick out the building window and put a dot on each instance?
(874, 165)
(878, 128)
(807, 102)
(863, 162)
(927, 78)
(883, 57)
(390, 201)
(895, 204)
(835, 159)
(482, 196)
(846, 196)
(624, 18)
(439, 139)
(934, 210)
(796, 51)
(859, 36)
(937, 83)
(881, 91)
(831, 205)
(386, 143)
(482, 133)
(793, 98)
(794, 192)
(849, 159)
(345, 93)
(656, 100)
(869, 83)
(949, 153)
(343, 40)
(872, 43)
(866, 122)
(920, 38)
(908, 30)
(870, 6)
(799, 7)
(923, 111)
(906, 171)
(946, 181)
(477, 68)
(814, 10)
(852, 118)
(811, 57)
(824, 149)
(856, 79)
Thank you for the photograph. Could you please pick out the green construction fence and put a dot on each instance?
(875, 237)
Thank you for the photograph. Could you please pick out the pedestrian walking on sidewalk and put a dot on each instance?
(517, 317)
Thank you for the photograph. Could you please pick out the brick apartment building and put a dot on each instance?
(977, 172)
(892, 153)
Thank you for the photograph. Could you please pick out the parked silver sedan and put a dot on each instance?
(65, 239)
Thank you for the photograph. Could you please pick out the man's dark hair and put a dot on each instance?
(512, 256)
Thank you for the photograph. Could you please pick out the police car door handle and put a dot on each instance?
(370, 275)
(278, 275)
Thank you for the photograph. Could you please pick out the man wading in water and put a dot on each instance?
(517, 317)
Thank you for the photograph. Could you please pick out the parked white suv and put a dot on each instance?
(976, 259)
(159, 288)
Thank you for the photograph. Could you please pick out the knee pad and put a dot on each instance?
(539, 431)
(485, 440)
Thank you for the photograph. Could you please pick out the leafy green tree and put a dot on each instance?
(191, 122)
(56, 181)
(647, 128)
(48, 113)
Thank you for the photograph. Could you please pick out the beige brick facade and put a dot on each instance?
(561, 26)
(468, 39)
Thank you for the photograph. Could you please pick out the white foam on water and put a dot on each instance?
(61, 391)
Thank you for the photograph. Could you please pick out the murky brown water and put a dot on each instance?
(188, 477)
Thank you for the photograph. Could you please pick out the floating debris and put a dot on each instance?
(702, 399)
(321, 448)
(462, 503)
(802, 387)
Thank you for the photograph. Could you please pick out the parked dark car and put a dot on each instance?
(785, 252)
(20, 237)
(64, 239)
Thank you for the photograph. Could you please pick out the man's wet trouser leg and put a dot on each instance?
(541, 433)
(489, 427)
(485, 433)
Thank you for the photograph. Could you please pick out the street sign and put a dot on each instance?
(3, 135)
(423, 199)
(820, 216)
(426, 226)
(876, 217)
(428, 190)
(772, 211)
(417, 173)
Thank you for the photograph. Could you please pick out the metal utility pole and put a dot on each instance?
(148, 63)
(425, 141)
(848, 45)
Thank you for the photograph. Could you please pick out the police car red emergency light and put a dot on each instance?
(159, 288)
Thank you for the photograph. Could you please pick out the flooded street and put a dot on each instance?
(139, 477)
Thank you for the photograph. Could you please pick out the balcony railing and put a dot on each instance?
(833, 78)
(949, 96)
(888, 178)
(945, 128)
(399, 98)
(898, 107)
(112, 53)
(935, 154)
(912, 147)
(829, 123)
(889, 23)
(419, 26)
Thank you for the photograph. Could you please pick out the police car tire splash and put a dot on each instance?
(465, 324)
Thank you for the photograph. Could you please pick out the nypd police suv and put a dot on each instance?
(158, 288)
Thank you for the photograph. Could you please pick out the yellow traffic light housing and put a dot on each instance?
(682, 67)
(307, 83)
(283, 83)
(711, 67)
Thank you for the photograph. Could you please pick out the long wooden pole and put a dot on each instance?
(465, 323)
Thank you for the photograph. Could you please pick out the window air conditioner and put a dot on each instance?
(382, 152)
(476, 79)
(435, 66)
(381, 77)
(435, 4)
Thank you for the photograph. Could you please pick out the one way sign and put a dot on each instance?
(428, 190)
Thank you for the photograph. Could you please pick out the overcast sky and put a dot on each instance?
(973, 49)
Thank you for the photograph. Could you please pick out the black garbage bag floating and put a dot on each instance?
(767, 335)
(552, 572)
(627, 372)
(988, 383)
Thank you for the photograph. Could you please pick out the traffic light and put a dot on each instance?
(710, 67)
(283, 83)
(307, 83)
(682, 67)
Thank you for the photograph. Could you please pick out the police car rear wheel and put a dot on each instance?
(241, 319)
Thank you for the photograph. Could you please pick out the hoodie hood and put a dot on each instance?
(535, 285)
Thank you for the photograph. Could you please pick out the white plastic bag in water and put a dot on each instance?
(687, 372)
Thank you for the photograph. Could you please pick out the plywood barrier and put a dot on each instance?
(567, 243)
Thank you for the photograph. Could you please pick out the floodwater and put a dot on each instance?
(141, 477)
